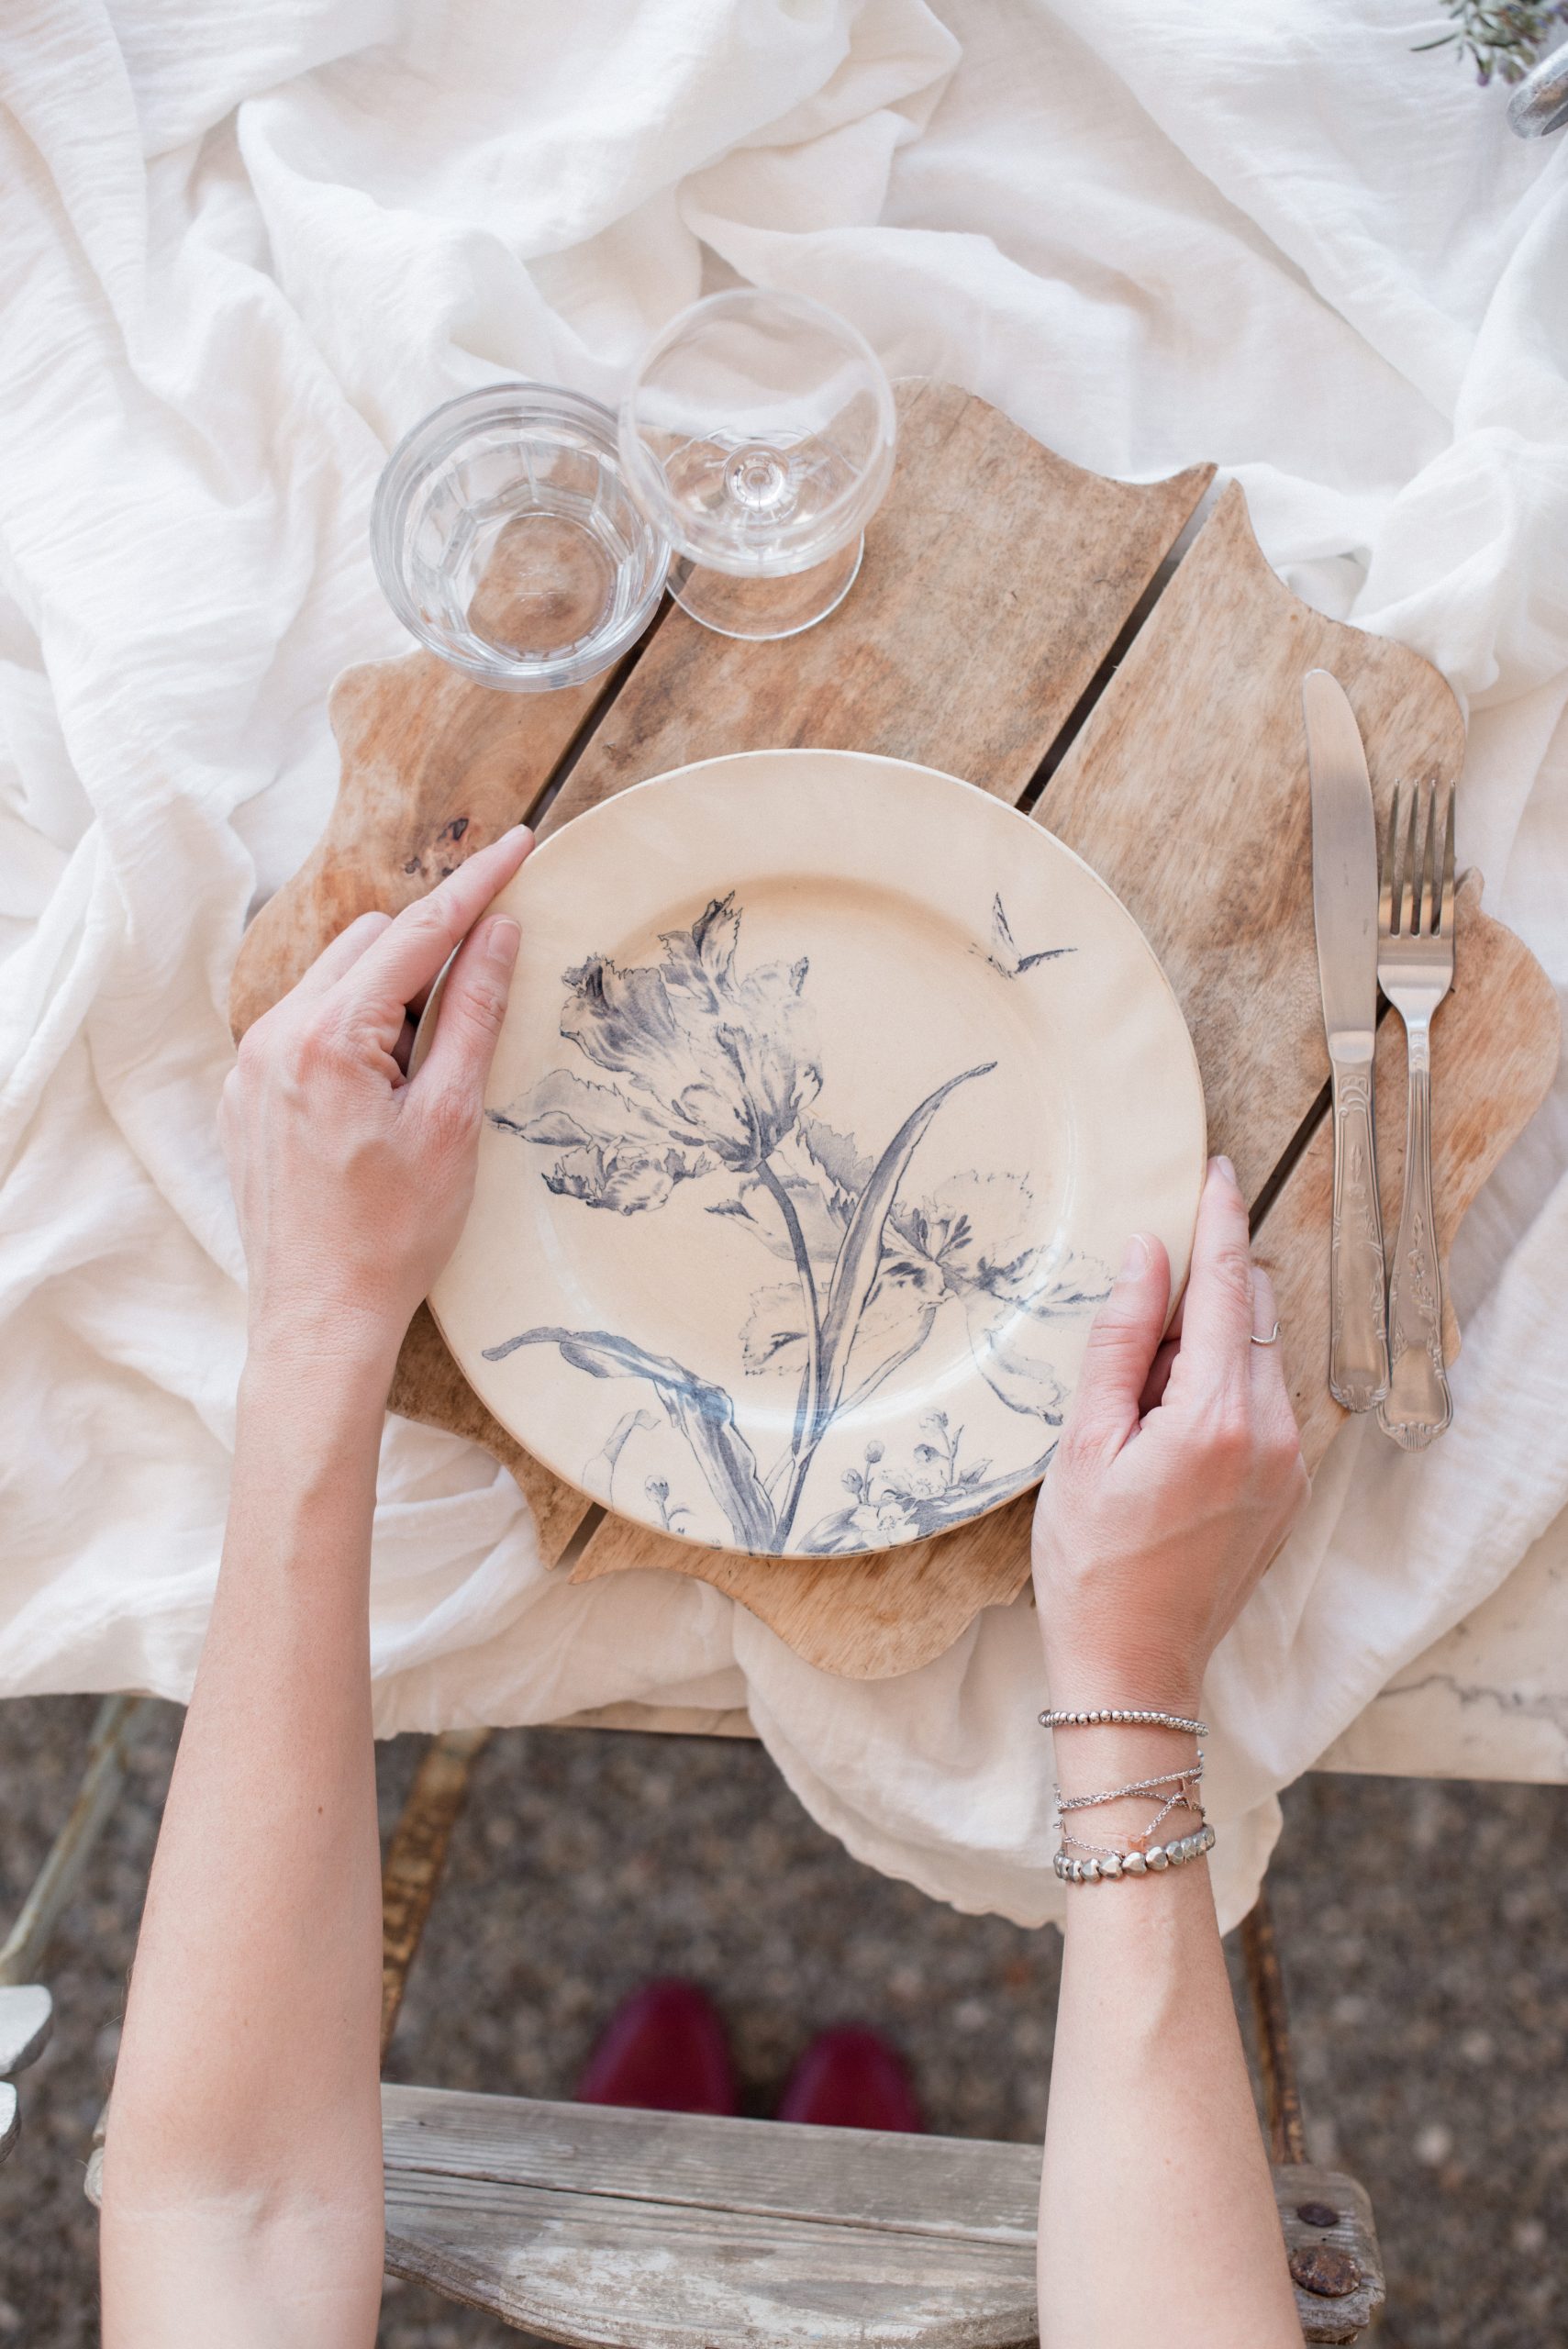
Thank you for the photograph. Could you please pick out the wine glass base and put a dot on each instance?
(762, 608)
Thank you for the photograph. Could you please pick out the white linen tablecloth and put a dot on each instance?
(242, 251)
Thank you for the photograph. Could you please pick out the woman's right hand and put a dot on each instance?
(351, 1184)
(1178, 1474)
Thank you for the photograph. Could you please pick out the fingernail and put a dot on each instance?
(1135, 1264)
(518, 832)
(502, 940)
(1223, 1167)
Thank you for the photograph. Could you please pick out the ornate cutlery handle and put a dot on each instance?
(1357, 1345)
(1419, 1405)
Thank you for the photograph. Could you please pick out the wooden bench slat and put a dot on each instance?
(642, 2275)
(971, 2188)
(679, 2231)
(625, 2230)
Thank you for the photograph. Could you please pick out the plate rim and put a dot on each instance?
(615, 802)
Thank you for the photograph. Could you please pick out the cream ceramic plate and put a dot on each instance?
(829, 1094)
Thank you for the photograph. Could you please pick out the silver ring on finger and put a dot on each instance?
(1272, 1340)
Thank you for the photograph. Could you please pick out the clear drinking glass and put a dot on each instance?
(758, 434)
(505, 538)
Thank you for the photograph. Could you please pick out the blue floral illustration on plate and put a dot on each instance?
(712, 1077)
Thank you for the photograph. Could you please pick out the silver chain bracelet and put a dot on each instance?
(1173, 1789)
(1124, 1717)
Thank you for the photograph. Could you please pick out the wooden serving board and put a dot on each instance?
(1007, 627)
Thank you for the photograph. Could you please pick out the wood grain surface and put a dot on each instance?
(593, 2224)
(434, 765)
(997, 579)
(996, 583)
(1188, 792)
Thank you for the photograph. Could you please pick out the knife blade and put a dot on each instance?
(1344, 913)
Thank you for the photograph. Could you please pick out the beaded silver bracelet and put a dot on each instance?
(1124, 1717)
(1154, 1861)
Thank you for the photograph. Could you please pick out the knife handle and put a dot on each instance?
(1358, 1332)
(1419, 1405)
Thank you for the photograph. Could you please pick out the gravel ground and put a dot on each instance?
(1424, 1927)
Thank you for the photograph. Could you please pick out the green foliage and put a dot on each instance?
(1505, 39)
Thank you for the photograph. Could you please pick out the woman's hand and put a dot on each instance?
(1177, 1477)
(351, 1183)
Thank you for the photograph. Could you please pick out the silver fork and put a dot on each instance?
(1414, 970)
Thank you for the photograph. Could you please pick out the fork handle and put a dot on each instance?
(1419, 1405)
(1357, 1343)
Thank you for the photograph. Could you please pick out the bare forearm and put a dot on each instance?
(243, 2186)
(248, 2076)
(1158, 2224)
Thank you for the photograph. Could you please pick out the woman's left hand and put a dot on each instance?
(351, 1183)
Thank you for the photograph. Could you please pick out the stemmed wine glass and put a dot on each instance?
(758, 437)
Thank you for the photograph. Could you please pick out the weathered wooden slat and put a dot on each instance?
(641, 2275)
(1303, 2192)
(434, 765)
(620, 2230)
(1270, 2021)
(1187, 791)
(598, 2225)
(416, 1857)
(969, 2187)
(996, 578)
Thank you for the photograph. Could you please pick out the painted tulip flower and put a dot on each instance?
(712, 1069)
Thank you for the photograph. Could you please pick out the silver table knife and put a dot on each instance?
(1344, 910)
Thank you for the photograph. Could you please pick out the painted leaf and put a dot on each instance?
(775, 1336)
(702, 1412)
(839, 1160)
(631, 1423)
(860, 1256)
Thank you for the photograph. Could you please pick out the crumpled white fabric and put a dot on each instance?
(241, 252)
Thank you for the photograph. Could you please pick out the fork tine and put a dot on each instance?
(1411, 922)
(1445, 911)
(1431, 906)
(1386, 876)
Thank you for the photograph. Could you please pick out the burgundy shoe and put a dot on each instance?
(664, 2050)
(852, 2078)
